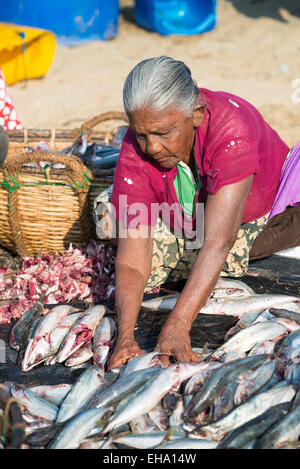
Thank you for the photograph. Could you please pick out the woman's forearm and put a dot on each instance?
(223, 216)
(133, 265)
(129, 294)
(201, 282)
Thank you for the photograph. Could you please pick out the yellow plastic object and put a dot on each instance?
(25, 52)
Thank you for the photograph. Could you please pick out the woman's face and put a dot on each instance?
(167, 137)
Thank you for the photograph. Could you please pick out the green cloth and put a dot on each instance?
(186, 188)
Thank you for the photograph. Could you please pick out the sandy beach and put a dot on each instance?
(254, 52)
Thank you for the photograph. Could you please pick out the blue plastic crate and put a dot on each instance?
(186, 17)
(72, 21)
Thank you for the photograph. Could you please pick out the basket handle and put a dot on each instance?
(72, 162)
(105, 116)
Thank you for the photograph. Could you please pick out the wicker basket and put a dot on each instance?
(44, 210)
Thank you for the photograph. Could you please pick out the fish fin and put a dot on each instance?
(41, 298)
(205, 349)
(168, 434)
(293, 444)
(103, 422)
(115, 433)
(243, 325)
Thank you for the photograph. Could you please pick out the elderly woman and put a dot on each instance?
(187, 148)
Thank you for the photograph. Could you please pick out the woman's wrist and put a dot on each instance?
(177, 322)
(126, 336)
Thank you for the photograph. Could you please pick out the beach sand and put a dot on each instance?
(254, 52)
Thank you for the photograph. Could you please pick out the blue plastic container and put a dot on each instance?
(72, 21)
(185, 17)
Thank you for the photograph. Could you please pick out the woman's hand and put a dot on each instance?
(124, 350)
(175, 340)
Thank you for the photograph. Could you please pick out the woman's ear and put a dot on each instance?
(198, 115)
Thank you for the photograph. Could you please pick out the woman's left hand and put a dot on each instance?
(175, 340)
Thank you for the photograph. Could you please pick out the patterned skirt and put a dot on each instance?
(172, 257)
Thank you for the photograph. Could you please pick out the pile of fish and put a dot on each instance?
(244, 394)
(63, 335)
(83, 273)
(96, 155)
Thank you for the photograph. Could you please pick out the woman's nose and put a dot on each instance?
(153, 146)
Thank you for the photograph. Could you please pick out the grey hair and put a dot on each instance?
(160, 83)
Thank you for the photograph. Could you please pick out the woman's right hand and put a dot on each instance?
(125, 349)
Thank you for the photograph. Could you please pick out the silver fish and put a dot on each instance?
(245, 320)
(125, 400)
(241, 305)
(93, 443)
(241, 414)
(34, 404)
(44, 327)
(51, 319)
(158, 417)
(35, 426)
(81, 332)
(227, 373)
(141, 363)
(252, 381)
(287, 314)
(77, 429)
(168, 302)
(292, 373)
(88, 382)
(175, 419)
(169, 402)
(254, 428)
(229, 292)
(187, 398)
(289, 348)
(152, 392)
(146, 440)
(49, 344)
(247, 338)
(142, 424)
(18, 334)
(296, 400)
(197, 380)
(163, 302)
(122, 387)
(231, 288)
(233, 355)
(82, 355)
(53, 394)
(103, 341)
(286, 430)
(188, 443)
(288, 323)
(233, 284)
(262, 347)
(224, 401)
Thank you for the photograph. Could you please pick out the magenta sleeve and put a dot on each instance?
(233, 161)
